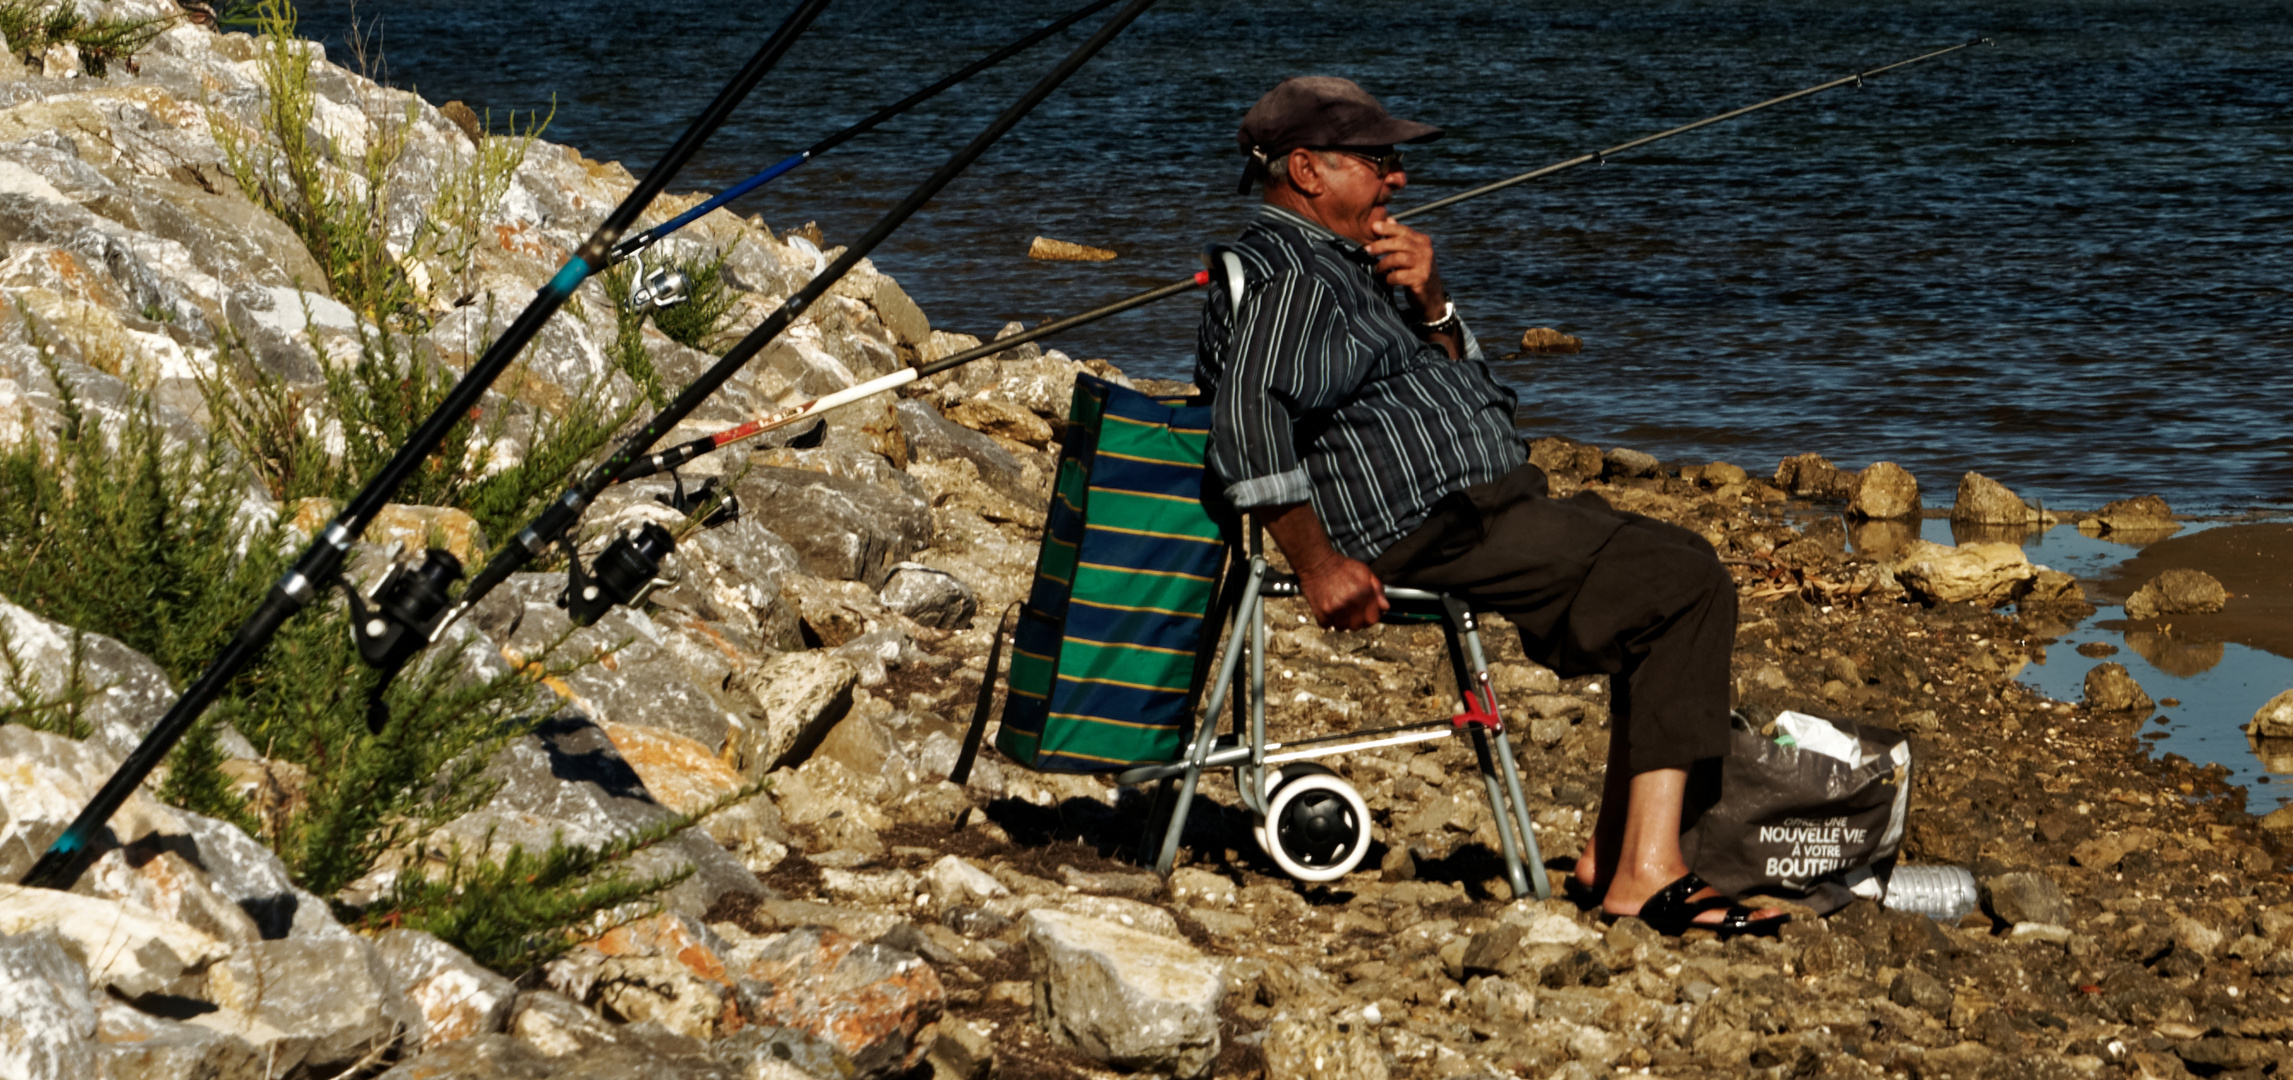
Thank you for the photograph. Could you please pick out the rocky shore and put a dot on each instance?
(863, 917)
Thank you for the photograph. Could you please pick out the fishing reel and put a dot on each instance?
(406, 605)
(626, 572)
(663, 288)
(722, 504)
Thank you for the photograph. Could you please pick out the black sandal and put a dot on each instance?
(1671, 913)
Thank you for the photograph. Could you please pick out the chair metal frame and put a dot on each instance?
(1251, 756)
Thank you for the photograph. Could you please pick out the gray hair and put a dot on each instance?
(1278, 166)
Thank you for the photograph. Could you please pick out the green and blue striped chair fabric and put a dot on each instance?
(1103, 672)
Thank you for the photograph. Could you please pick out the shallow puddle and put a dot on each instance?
(2218, 685)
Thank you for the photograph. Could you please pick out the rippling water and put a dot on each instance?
(2063, 261)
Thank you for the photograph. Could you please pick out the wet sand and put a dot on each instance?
(2254, 562)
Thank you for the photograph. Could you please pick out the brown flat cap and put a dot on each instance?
(1320, 110)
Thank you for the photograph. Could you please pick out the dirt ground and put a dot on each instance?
(2173, 954)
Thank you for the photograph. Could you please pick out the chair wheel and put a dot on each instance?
(1316, 827)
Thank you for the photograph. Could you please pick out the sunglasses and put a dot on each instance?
(1388, 162)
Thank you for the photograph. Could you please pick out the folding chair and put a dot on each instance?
(1141, 575)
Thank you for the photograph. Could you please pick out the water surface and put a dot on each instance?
(2062, 260)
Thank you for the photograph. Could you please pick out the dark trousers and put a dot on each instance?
(1594, 591)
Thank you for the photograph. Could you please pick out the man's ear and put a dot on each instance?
(1306, 172)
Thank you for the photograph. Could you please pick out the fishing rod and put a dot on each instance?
(397, 627)
(626, 569)
(632, 246)
(680, 454)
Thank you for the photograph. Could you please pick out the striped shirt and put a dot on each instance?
(1321, 391)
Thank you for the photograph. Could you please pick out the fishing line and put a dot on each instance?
(627, 565)
(678, 455)
(396, 627)
(638, 243)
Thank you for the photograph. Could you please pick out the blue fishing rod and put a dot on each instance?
(626, 569)
(398, 625)
(649, 237)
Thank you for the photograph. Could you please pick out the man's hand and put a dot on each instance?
(1343, 592)
(1405, 261)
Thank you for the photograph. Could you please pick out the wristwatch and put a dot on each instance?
(1448, 323)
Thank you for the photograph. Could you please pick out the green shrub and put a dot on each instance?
(336, 201)
(700, 319)
(113, 532)
(492, 909)
(32, 25)
(61, 712)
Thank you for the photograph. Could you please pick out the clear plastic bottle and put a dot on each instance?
(1942, 893)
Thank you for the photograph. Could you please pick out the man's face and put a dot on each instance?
(1354, 185)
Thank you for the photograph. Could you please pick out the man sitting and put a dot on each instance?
(1356, 417)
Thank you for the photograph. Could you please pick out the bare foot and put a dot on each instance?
(1587, 872)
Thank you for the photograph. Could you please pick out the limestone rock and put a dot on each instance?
(1809, 476)
(1134, 1000)
(2143, 516)
(1915, 989)
(766, 1052)
(557, 1025)
(2177, 592)
(2025, 896)
(901, 316)
(125, 692)
(934, 438)
(136, 1046)
(1545, 339)
(962, 1052)
(1982, 500)
(933, 598)
(824, 794)
(1986, 574)
(568, 778)
(485, 1057)
(863, 745)
(2110, 688)
(317, 1005)
(638, 679)
(729, 587)
(455, 997)
(1565, 458)
(661, 990)
(687, 777)
(126, 947)
(47, 1015)
(406, 531)
(842, 529)
(957, 883)
(1623, 461)
(2273, 720)
(1193, 887)
(1884, 491)
(1720, 474)
(1320, 1050)
(1063, 251)
(802, 695)
(1004, 420)
(2049, 586)
(874, 1003)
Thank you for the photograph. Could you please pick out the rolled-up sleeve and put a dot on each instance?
(1290, 356)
